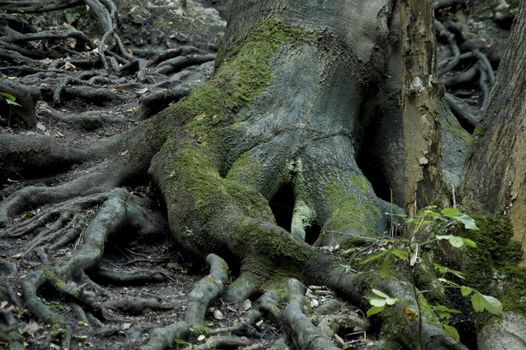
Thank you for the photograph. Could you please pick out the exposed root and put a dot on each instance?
(304, 334)
(66, 232)
(157, 101)
(62, 213)
(36, 6)
(178, 63)
(464, 116)
(30, 156)
(99, 180)
(9, 330)
(206, 290)
(469, 48)
(246, 285)
(88, 121)
(164, 338)
(52, 35)
(121, 209)
(131, 277)
(222, 342)
(136, 305)
(243, 327)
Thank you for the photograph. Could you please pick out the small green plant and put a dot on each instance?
(9, 99)
(409, 251)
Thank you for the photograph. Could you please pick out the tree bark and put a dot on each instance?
(421, 124)
(496, 173)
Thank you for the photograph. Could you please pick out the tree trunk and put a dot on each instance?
(281, 121)
(495, 177)
(422, 173)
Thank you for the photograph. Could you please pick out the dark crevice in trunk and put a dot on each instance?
(312, 233)
(282, 206)
(369, 161)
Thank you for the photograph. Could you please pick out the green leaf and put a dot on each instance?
(380, 293)
(455, 241)
(385, 269)
(375, 310)
(469, 223)
(477, 301)
(451, 212)
(465, 219)
(465, 291)
(374, 257)
(8, 96)
(444, 269)
(445, 312)
(451, 331)
(377, 302)
(9, 99)
(401, 254)
(492, 304)
(391, 301)
(469, 243)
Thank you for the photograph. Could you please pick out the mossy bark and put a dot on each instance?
(496, 175)
(283, 108)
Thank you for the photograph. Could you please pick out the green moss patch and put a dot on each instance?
(493, 268)
(350, 212)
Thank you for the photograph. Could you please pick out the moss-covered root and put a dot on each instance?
(397, 328)
(9, 331)
(120, 209)
(206, 290)
(245, 286)
(224, 342)
(163, 338)
(304, 334)
(136, 305)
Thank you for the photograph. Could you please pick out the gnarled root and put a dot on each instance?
(120, 209)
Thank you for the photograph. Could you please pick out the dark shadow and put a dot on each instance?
(282, 206)
(370, 163)
(312, 233)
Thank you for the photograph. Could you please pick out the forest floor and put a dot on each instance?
(85, 105)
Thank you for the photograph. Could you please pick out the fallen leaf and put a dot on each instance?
(31, 328)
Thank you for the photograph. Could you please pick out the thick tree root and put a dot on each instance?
(165, 337)
(206, 290)
(304, 333)
(30, 156)
(117, 276)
